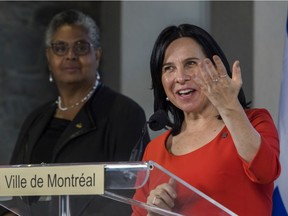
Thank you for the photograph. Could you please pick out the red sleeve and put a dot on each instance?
(265, 167)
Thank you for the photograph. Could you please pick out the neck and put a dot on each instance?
(196, 124)
(62, 107)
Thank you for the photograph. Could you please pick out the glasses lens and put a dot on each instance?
(59, 48)
(81, 48)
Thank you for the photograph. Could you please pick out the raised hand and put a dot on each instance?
(221, 90)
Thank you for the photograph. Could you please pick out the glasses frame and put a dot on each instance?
(73, 46)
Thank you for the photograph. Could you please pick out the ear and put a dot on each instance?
(48, 58)
(98, 54)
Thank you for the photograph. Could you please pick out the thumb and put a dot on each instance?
(172, 182)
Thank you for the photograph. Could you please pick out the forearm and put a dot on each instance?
(246, 138)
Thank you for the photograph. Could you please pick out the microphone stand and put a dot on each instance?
(156, 122)
(137, 151)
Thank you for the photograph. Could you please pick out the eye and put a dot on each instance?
(59, 48)
(191, 63)
(167, 68)
(82, 47)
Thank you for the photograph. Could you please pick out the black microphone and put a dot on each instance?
(156, 122)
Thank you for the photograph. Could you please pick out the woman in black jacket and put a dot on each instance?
(88, 122)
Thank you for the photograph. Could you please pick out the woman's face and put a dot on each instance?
(180, 67)
(73, 66)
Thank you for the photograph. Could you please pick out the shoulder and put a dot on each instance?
(156, 148)
(43, 109)
(260, 117)
(37, 115)
(257, 112)
(158, 143)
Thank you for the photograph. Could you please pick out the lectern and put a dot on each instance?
(67, 189)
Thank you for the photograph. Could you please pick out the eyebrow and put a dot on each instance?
(81, 40)
(191, 58)
(185, 60)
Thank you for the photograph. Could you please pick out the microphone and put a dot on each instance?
(156, 122)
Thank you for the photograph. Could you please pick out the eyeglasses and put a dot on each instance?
(80, 48)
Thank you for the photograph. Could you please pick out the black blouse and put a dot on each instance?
(43, 151)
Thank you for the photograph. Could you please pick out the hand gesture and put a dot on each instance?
(221, 90)
(162, 196)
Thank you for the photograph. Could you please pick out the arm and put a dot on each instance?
(223, 94)
(248, 139)
(265, 166)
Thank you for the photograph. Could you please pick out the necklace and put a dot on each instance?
(59, 101)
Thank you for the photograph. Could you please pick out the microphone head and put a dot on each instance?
(158, 120)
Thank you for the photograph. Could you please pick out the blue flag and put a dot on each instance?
(280, 196)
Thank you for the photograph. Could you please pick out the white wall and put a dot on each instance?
(269, 38)
(141, 23)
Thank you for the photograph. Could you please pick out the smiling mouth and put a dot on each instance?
(185, 92)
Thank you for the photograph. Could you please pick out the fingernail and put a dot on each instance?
(206, 61)
(238, 64)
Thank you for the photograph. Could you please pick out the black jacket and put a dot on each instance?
(105, 129)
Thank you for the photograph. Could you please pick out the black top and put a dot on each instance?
(43, 150)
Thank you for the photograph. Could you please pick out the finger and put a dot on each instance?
(236, 73)
(221, 70)
(163, 195)
(162, 201)
(167, 194)
(172, 182)
(211, 73)
(170, 188)
(198, 77)
(156, 200)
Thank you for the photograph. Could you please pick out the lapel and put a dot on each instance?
(81, 124)
(36, 131)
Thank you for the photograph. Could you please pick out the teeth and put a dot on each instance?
(185, 91)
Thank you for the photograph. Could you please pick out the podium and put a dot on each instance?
(68, 189)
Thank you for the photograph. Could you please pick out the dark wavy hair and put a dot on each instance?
(165, 38)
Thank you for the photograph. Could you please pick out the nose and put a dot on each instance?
(182, 76)
(71, 55)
